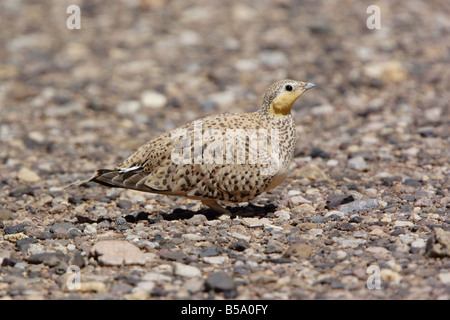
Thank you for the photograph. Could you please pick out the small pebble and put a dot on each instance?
(220, 281)
(186, 271)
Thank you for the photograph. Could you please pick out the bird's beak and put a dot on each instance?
(309, 85)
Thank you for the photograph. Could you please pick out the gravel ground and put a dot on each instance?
(364, 213)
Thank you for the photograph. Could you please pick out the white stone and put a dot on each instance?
(34, 248)
(146, 285)
(341, 254)
(400, 224)
(378, 251)
(332, 163)
(335, 212)
(152, 99)
(357, 163)
(128, 107)
(155, 276)
(27, 175)
(350, 242)
(418, 244)
(272, 227)
(254, 222)
(238, 235)
(390, 276)
(283, 215)
(117, 252)
(293, 192)
(315, 232)
(360, 234)
(445, 277)
(298, 200)
(193, 237)
(183, 270)
(215, 260)
(90, 229)
(406, 238)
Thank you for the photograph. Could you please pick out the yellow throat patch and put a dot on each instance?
(281, 105)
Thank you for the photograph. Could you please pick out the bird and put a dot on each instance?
(231, 157)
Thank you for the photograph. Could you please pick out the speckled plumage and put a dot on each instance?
(154, 168)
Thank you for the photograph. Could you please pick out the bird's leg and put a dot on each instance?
(215, 206)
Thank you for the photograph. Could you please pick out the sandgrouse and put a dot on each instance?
(226, 157)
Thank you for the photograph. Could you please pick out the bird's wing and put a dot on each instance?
(171, 164)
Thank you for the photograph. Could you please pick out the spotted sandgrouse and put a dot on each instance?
(226, 157)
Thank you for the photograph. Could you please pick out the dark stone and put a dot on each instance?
(6, 262)
(96, 105)
(23, 244)
(21, 227)
(124, 204)
(210, 251)
(172, 255)
(157, 238)
(231, 294)
(385, 243)
(352, 186)
(77, 259)
(121, 227)
(239, 245)
(355, 219)
(273, 249)
(82, 219)
(337, 285)
(345, 226)
(397, 232)
(158, 292)
(409, 198)
(334, 217)
(319, 153)
(318, 219)
(359, 206)
(426, 132)
(333, 234)
(16, 193)
(51, 259)
(121, 220)
(65, 230)
(219, 282)
(325, 265)
(142, 215)
(281, 260)
(60, 227)
(320, 29)
(130, 218)
(412, 183)
(336, 200)
(75, 200)
(387, 181)
(208, 105)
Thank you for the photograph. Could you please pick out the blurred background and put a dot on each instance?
(376, 127)
(75, 100)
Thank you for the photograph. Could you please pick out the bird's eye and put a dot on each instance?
(288, 87)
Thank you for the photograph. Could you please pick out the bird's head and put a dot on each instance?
(281, 95)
